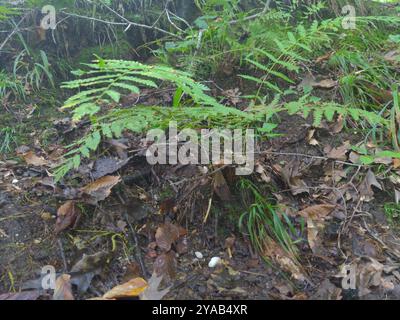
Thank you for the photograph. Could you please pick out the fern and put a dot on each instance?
(108, 79)
(327, 110)
(289, 52)
(105, 82)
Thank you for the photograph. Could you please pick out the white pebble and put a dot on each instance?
(214, 262)
(198, 255)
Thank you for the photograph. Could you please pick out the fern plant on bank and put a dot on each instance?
(102, 85)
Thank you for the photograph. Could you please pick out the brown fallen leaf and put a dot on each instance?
(34, 160)
(63, 289)
(130, 289)
(182, 245)
(86, 268)
(152, 292)
(338, 153)
(221, 187)
(99, 189)
(67, 216)
(392, 56)
(315, 216)
(309, 81)
(284, 259)
(167, 234)
(90, 263)
(338, 125)
(232, 96)
(292, 177)
(396, 163)
(107, 165)
(310, 138)
(324, 57)
(365, 188)
(259, 168)
(325, 84)
(317, 212)
(327, 291)
(165, 265)
(354, 157)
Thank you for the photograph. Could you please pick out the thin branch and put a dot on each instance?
(16, 28)
(254, 16)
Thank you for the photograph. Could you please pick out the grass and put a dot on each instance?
(263, 223)
(392, 212)
(7, 140)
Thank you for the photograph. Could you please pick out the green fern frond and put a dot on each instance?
(108, 79)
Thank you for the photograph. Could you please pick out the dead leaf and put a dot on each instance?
(63, 289)
(369, 275)
(232, 95)
(152, 292)
(365, 188)
(165, 265)
(338, 153)
(315, 216)
(90, 262)
(167, 234)
(34, 160)
(291, 176)
(261, 171)
(310, 138)
(130, 289)
(354, 157)
(86, 268)
(325, 84)
(309, 81)
(221, 187)
(132, 271)
(327, 291)
(182, 245)
(288, 262)
(100, 189)
(392, 56)
(396, 163)
(324, 57)
(107, 165)
(338, 126)
(67, 216)
(317, 212)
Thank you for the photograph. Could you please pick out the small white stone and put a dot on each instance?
(198, 255)
(15, 181)
(214, 262)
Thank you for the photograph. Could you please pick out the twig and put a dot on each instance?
(126, 22)
(294, 154)
(60, 245)
(16, 28)
(266, 7)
